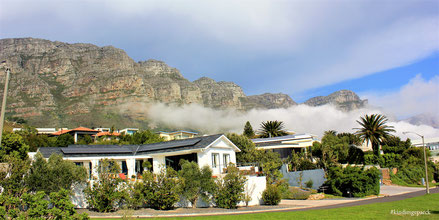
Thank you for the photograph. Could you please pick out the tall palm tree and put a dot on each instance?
(272, 129)
(374, 130)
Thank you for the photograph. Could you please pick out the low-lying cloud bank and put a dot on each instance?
(416, 97)
(300, 118)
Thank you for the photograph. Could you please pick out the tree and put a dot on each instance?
(85, 140)
(145, 137)
(12, 180)
(249, 153)
(248, 130)
(272, 129)
(54, 175)
(196, 183)
(13, 145)
(294, 160)
(64, 140)
(374, 130)
(330, 132)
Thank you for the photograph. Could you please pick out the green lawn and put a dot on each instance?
(371, 211)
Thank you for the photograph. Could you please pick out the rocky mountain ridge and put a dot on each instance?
(344, 99)
(61, 84)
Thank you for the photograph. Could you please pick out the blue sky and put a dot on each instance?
(301, 48)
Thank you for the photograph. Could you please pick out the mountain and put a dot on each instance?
(61, 84)
(424, 119)
(344, 99)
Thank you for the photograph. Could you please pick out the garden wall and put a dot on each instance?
(317, 176)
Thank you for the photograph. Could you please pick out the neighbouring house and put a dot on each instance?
(285, 145)
(106, 135)
(41, 130)
(177, 135)
(216, 151)
(103, 129)
(77, 132)
(432, 144)
(129, 131)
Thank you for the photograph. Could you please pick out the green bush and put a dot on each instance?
(309, 184)
(354, 180)
(54, 174)
(283, 187)
(196, 183)
(372, 159)
(271, 195)
(298, 194)
(106, 194)
(230, 189)
(158, 191)
(390, 160)
(39, 206)
(162, 190)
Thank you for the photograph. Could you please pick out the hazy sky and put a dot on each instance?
(379, 49)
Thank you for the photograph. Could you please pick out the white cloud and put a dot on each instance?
(293, 45)
(417, 97)
(301, 119)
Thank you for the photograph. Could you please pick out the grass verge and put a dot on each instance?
(370, 211)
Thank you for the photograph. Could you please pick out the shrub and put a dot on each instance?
(309, 183)
(354, 180)
(390, 160)
(283, 187)
(271, 195)
(158, 191)
(39, 206)
(54, 175)
(298, 194)
(230, 189)
(196, 183)
(105, 194)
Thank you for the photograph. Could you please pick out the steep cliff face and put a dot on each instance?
(61, 84)
(268, 100)
(344, 99)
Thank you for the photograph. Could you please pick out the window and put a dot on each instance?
(226, 159)
(215, 158)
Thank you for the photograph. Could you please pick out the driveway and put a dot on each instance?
(397, 190)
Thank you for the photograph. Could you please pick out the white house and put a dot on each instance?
(432, 144)
(216, 151)
(284, 145)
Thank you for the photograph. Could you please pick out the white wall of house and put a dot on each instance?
(220, 148)
(254, 187)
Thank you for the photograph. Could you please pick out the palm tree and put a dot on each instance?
(374, 130)
(272, 129)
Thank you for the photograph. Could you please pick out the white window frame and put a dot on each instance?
(215, 160)
(226, 159)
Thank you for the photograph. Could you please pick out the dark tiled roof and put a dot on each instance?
(47, 151)
(111, 150)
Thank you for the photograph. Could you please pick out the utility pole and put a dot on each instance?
(2, 117)
(427, 188)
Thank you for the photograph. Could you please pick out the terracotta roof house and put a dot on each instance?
(216, 151)
(79, 131)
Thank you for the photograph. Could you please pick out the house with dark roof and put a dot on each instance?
(285, 145)
(216, 151)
